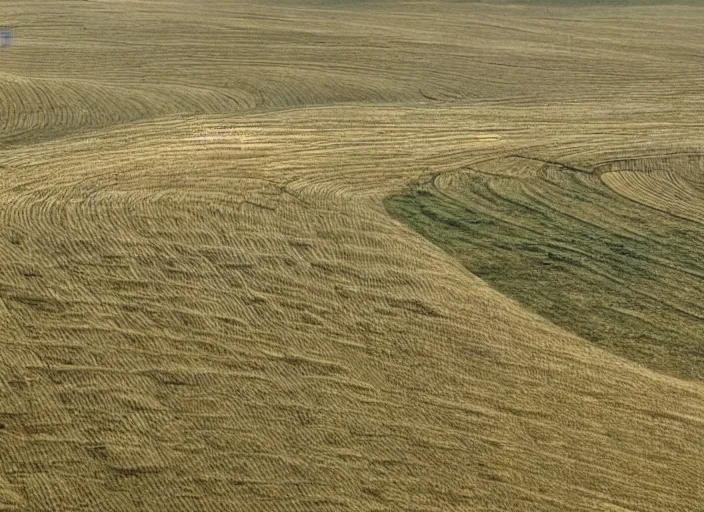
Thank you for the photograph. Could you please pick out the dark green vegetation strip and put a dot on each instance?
(627, 277)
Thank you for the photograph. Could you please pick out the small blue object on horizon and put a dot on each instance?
(5, 38)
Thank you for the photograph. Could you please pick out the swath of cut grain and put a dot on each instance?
(207, 306)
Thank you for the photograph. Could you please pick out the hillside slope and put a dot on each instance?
(204, 304)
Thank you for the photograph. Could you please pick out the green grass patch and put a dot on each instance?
(620, 274)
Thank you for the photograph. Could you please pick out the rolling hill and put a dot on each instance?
(364, 256)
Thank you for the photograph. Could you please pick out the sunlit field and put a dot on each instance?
(351, 256)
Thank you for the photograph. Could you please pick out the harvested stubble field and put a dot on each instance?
(329, 256)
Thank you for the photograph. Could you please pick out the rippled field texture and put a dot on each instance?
(613, 254)
(351, 256)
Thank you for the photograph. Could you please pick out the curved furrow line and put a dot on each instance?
(570, 245)
(34, 108)
(244, 266)
(663, 191)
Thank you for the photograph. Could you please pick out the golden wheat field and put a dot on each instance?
(344, 255)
